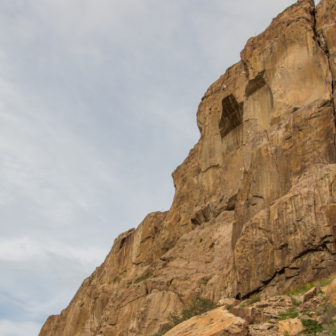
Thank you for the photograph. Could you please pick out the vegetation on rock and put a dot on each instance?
(307, 287)
(142, 278)
(196, 307)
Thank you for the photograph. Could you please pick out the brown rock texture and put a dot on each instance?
(290, 327)
(309, 295)
(330, 291)
(255, 202)
(326, 32)
(218, 322)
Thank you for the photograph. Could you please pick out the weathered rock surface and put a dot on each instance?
(255, 201)
(290, 327)
(309, 295)
(326, 32)
(252, 315)
(265, 329)
(330, 291)
(218, 322)
(228, 302)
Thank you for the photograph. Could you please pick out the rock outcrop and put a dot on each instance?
(217, 322)
(294, 313)
(255, 202)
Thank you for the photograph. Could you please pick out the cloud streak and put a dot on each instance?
(98, 104)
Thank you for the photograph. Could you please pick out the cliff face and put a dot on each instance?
(255, 202)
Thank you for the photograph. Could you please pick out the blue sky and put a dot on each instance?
(98, 102)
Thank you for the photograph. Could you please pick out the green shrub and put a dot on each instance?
(323, 283)
(305, 288)
(253, 299)
(300, 290)
(312, 327)
(143, 278)
(196, 307)
(295, 302)
(290, 313)
(328, 314)
(243, 304)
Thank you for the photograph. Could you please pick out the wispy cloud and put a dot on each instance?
(9, 328)
(98, 104)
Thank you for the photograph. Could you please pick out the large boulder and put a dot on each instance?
(218, 322)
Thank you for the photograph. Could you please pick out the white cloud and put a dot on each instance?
(9, 328)
(25, 249)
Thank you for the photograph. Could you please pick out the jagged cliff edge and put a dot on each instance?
(255, 201)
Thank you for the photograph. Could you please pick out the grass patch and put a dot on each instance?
(295, 302)
(290, 313)
(330, 329)
(300, 290)
(305, 288)
(312, 327)
(328, 314)
(143, 278)
(324, 282)
(253, 299)
(243, 304)
(196, 307)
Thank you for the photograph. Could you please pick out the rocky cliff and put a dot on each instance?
(255, 202)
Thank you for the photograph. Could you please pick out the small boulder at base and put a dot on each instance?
(251, 315)
(309, 295)
(265, 329)
(217, 322)
(290, 327)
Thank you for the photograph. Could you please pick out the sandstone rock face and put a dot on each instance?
(255, 202)
(326, 32)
